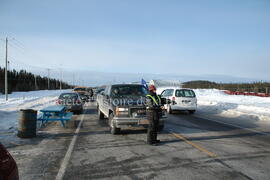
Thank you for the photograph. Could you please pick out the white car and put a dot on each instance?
(181, 100)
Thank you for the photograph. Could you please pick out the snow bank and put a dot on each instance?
(210, 102)
(24, 100)
(213, 101)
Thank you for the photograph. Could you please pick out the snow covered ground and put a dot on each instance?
(23, 100)
(211, 103)
(216, 102)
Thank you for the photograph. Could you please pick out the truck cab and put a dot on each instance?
(124, 106)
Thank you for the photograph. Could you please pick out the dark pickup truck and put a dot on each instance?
(124, 105)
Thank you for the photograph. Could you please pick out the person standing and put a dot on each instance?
(153, 103)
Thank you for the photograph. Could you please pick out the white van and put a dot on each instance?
(181, 100)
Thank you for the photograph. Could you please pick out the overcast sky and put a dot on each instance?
(203, 37)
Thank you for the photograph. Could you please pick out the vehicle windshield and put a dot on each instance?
(185, 93)
(128, 90)
(68, 96)
(80, 89)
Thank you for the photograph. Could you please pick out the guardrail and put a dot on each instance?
(246, 93)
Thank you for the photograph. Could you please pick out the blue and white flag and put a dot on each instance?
(144, 83)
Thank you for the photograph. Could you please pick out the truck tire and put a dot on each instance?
(100, 115)
(114, 130)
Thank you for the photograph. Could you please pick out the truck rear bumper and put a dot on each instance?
(121, 122)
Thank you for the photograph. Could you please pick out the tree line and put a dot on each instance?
(26, 81)
(258, 87)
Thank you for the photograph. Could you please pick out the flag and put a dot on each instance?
(144, 83)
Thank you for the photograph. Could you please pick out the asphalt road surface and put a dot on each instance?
(190, 148)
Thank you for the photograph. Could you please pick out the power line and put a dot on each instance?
(18, 43)
(17, 48)
(31, 66)
(22, 50)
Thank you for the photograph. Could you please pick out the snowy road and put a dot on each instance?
(191, 148)
(212, 103)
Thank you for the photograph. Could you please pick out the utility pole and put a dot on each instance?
(6, 73)
(35, 82)
(73, 79)
(61, 78)
(8, 66)
(48, 78)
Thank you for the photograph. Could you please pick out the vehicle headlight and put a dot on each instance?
(121, 111)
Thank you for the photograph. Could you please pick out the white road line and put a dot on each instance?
(66, 159)
(233, 125)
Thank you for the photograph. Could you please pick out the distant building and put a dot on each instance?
(165, 84)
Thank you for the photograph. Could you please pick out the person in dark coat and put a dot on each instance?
(153, 107)
(8, 166)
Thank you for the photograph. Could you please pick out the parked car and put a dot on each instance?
(72, 102)
(84, 98)
(85, 92)
(181, 100)
(124, 105)
(8, 166)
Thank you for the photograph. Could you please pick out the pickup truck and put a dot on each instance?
(124, 106)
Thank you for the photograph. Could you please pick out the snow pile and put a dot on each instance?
(24, 100)
(216, 102)
(210, 102)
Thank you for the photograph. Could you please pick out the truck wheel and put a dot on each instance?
(114, 130)
(100, 115)
(169, 110)
(191, 111)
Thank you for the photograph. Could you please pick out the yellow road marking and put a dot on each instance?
(195, 145)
